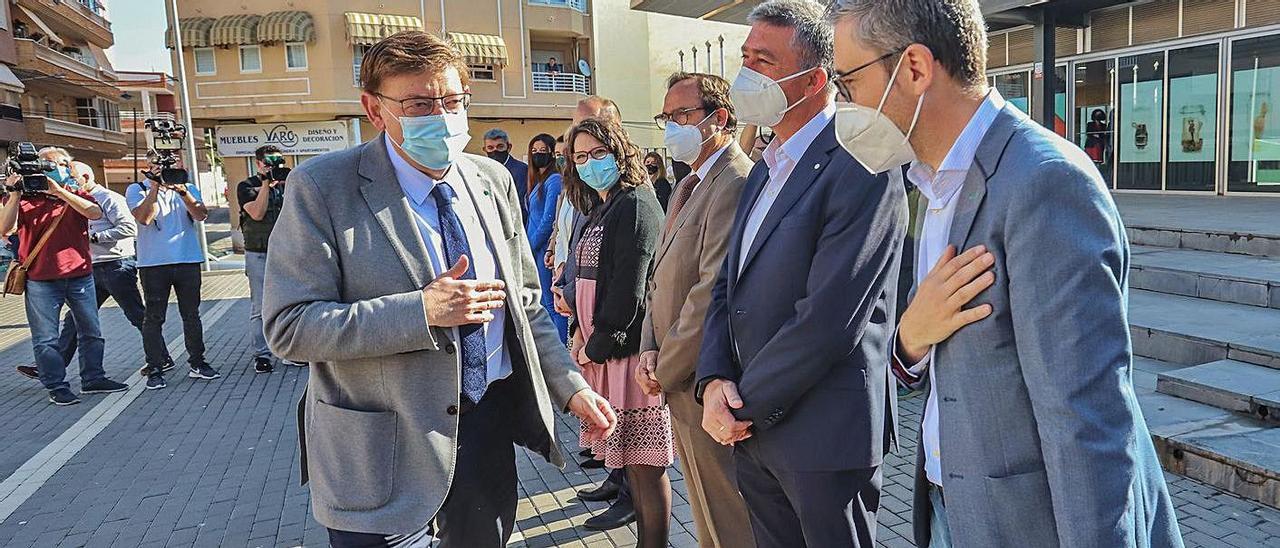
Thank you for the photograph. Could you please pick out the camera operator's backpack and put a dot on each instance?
(15, 280)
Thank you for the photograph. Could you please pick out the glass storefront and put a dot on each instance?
(1093, 113)
(1193, 118)
(1139, 121)
(1254, 156)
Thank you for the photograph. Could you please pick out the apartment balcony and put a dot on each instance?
(11, 126)
(76, 136)
(74, 18)
(561, 82)
(568, 18)
(81, 72)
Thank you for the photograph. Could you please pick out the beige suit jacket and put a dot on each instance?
(685, 267)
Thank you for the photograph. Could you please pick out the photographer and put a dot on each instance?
(261, 196)
(167, 209)
(52, 224)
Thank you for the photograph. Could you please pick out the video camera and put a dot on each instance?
(278, 171)
(26, 161)
(167, 140)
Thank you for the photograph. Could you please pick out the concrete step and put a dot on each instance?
(1229, 385)
(1229, 451)
(1193, 331)
(1240, 279)
(1220, 241)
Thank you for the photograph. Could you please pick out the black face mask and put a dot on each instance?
(540, 159)
(499, 156)
(652, 169)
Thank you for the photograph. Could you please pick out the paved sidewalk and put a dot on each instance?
(214, 463)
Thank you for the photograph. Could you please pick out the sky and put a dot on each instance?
(139, 27)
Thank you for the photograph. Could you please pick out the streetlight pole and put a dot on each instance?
(194, 166)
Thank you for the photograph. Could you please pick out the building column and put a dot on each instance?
(1042, 87)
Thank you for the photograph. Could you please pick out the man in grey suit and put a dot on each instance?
(1032, 435)
(794, 368)
(423, 374)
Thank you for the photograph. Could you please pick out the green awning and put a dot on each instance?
(287, 26)
(235, 30)
(369, 28)
(195, 33)
(480, 49)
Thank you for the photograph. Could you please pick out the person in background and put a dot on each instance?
(1032, 434)
(613, 258)
(261, 197)
(54, 224)
(553, 66)
(543, 189)
(658, 176)
(699, 124)
(169, 260)
(497, 146)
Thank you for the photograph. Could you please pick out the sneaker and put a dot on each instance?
(29, 371)
(203, 371)
(156, 382)
(295, 364)
(262, 365)
(63, 396)
(103, 386)
(167, 367)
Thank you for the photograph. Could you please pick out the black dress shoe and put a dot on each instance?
(621, 514)
(583, 453)
(607, 491)
(592, 464)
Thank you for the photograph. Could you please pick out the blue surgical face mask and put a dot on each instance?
(434, 141)
(600, 174)
(63, 176)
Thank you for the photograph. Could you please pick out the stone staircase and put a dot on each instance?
(1204, 312)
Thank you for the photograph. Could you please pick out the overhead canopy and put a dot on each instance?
(480, 49)
(235, 30)
(9, 81)
(195, 33)
(53, 36)
(287, 26)
(368, 28)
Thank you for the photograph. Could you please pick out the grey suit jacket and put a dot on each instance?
(1043, 443)
(379, 419)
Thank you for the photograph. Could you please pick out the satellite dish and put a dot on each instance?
(583, 67)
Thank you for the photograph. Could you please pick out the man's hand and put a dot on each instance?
(720, 397)
(549, 259)
(451, 302)
(937, 311)
(596, 414)
(646, 374)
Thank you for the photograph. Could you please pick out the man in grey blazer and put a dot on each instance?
(423, 374)
(1032, 435)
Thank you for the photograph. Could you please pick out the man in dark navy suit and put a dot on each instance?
(794, 364)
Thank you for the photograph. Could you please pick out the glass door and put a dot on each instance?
(1140, 122)
(1254, 154)
(1094, 115)
(1193, 119)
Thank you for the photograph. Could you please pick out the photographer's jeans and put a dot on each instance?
(184, 279)
(44, 300)
(116, 279)
(255, 266)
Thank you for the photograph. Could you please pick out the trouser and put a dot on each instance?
(117, 280)
(255, 267)
(719, 513)
(44, 300)
(480, 510)
(790, 508)
(184, 280)
(939, 531)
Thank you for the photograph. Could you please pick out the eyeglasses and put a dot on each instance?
(426, 106)
(845, 92)
(680, 116)
(598, 153)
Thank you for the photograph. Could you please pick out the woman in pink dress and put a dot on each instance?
(613, 255)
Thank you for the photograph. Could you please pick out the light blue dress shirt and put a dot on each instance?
(170, 238)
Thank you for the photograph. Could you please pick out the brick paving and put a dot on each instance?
(215, 464)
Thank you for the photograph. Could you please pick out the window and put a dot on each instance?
(357, 57)
(86, 112)
(205, 62)
(1192, 119)
(1254, 158)
(250, 59)
(1095, 131)
(1139, 123)
(295, 56)
(482, 72)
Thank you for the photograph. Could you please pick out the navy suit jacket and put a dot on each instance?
(520, 173)
(805, 327)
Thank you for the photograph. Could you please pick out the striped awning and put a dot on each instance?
(235, 30)
(368, 28)
(480, 49)
(195, 33)
(287, 26)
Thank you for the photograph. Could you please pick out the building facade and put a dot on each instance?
(66, 92)
(154, 95)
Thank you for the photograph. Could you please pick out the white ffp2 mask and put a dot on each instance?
(759, 100)
(871, 137)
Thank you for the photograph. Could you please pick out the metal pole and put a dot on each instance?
(1043, 89)
(194, 166)
(135, 140)
(721, 39)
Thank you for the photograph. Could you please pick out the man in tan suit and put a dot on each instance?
(699, 122)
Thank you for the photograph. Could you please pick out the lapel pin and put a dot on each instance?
(817, 166)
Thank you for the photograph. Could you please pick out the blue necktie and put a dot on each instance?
(474, 356)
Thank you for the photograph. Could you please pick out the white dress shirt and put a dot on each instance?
(782, 158)
(941, 189)
(417, 186)
(705, 169)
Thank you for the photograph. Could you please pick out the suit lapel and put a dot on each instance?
(756, 181)
(802, 177)
(464, 177)
(985, 161)
(387, 202)
(713, 174)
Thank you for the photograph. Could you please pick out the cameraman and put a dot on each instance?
(60, 272)
(169, 257)
(260, 196)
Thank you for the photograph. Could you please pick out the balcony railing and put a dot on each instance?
(80, 65)
(77, 130)
(578, 5)
(562, 82)
(11, 112)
